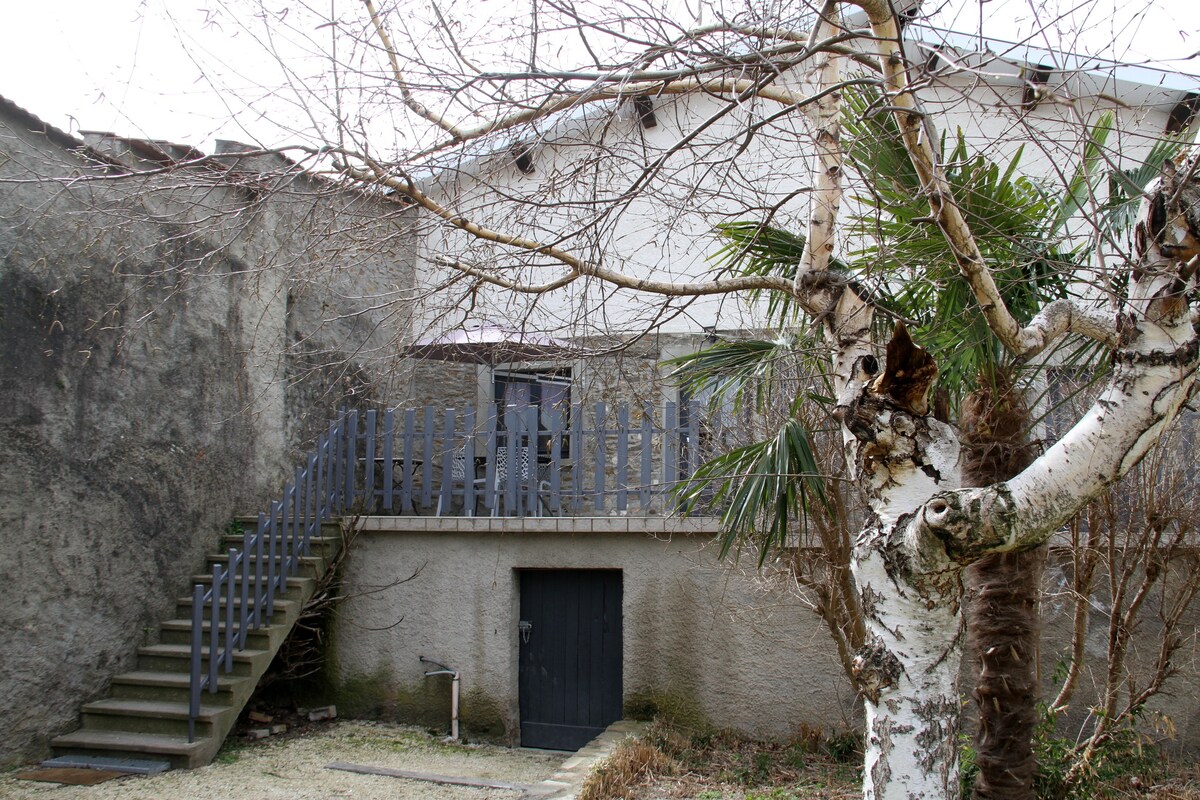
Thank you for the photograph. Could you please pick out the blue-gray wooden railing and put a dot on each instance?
(241, 597)
(595, 459)
(577, 460)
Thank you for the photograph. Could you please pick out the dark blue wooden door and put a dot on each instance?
(570, 656)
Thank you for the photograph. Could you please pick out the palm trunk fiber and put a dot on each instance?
(1003, 591)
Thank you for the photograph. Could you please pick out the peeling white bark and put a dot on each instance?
(827, 193)
(1152, 377)
(909, 593)
(909, 674)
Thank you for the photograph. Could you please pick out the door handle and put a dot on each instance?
(525, 627)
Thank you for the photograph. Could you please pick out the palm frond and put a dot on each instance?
(765, 489)
(731, 369)
(753, 248)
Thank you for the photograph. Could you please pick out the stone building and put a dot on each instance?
(171, 339)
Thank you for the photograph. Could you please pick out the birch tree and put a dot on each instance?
(925, 525)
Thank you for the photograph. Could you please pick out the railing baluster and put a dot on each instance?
(510, 460)
(389, 431)
(335, 433)
(244, 612)
(319, 479)
(531, 429)
(692, 453)
(285, 509)
(623, 457)
(555, 466)
(297, 522)
(670, 449)
(468, 452)
(446, 495)
(195, 679)
(230, 596)
(214, 630)
(406, 479)
(348, 495)
(491, 498)
(272, 527)
(312, 526)
(338, 479)
(369, 464)
(258, 569)
(647, 454)
(576, 456)
(601, 458)
(427, 463)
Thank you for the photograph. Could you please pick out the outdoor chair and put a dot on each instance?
(524, 474)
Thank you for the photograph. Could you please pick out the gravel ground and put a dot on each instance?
(294, 768)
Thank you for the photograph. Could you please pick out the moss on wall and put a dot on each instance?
(380, 696)
(676, 706)
(481, 718)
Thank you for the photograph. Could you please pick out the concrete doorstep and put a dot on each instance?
(568, 781)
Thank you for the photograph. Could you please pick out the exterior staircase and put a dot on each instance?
(146, 715)
(188, 690)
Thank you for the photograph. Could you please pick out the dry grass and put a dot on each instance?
(633, 762)
(668, 763)
(671, 764)
(1183, 783)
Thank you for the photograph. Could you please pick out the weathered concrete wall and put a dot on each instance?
(702, 640)
(706, 641)
(170, 344)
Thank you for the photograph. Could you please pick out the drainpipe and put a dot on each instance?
(442, 669)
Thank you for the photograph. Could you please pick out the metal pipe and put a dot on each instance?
(442, 669)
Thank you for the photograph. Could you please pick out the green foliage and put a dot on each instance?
(1020, 227)
(762, 488)
(776, 793)
(758, 249)
(968, 765)
(917, 275)
(846, 747)
(739, 370)
(1065, 774)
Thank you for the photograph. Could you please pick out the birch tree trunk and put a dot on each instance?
(926, 528)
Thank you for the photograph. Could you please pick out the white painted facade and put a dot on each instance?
(582, 160)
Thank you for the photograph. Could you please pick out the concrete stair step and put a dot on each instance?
(175, 749)
(311, 562)
(303, 582)
(129, 766)
(168, 687)
(177, 657)
(284, 608)
(316, 544)
(179, 631)
(150, 716)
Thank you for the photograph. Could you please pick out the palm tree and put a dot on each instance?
(1020, 226)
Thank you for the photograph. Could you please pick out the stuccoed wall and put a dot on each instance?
(170, 344)
(702, 641)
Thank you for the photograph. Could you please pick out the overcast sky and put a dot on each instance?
(172, 70)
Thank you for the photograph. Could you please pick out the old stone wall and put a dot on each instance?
(170, 345)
